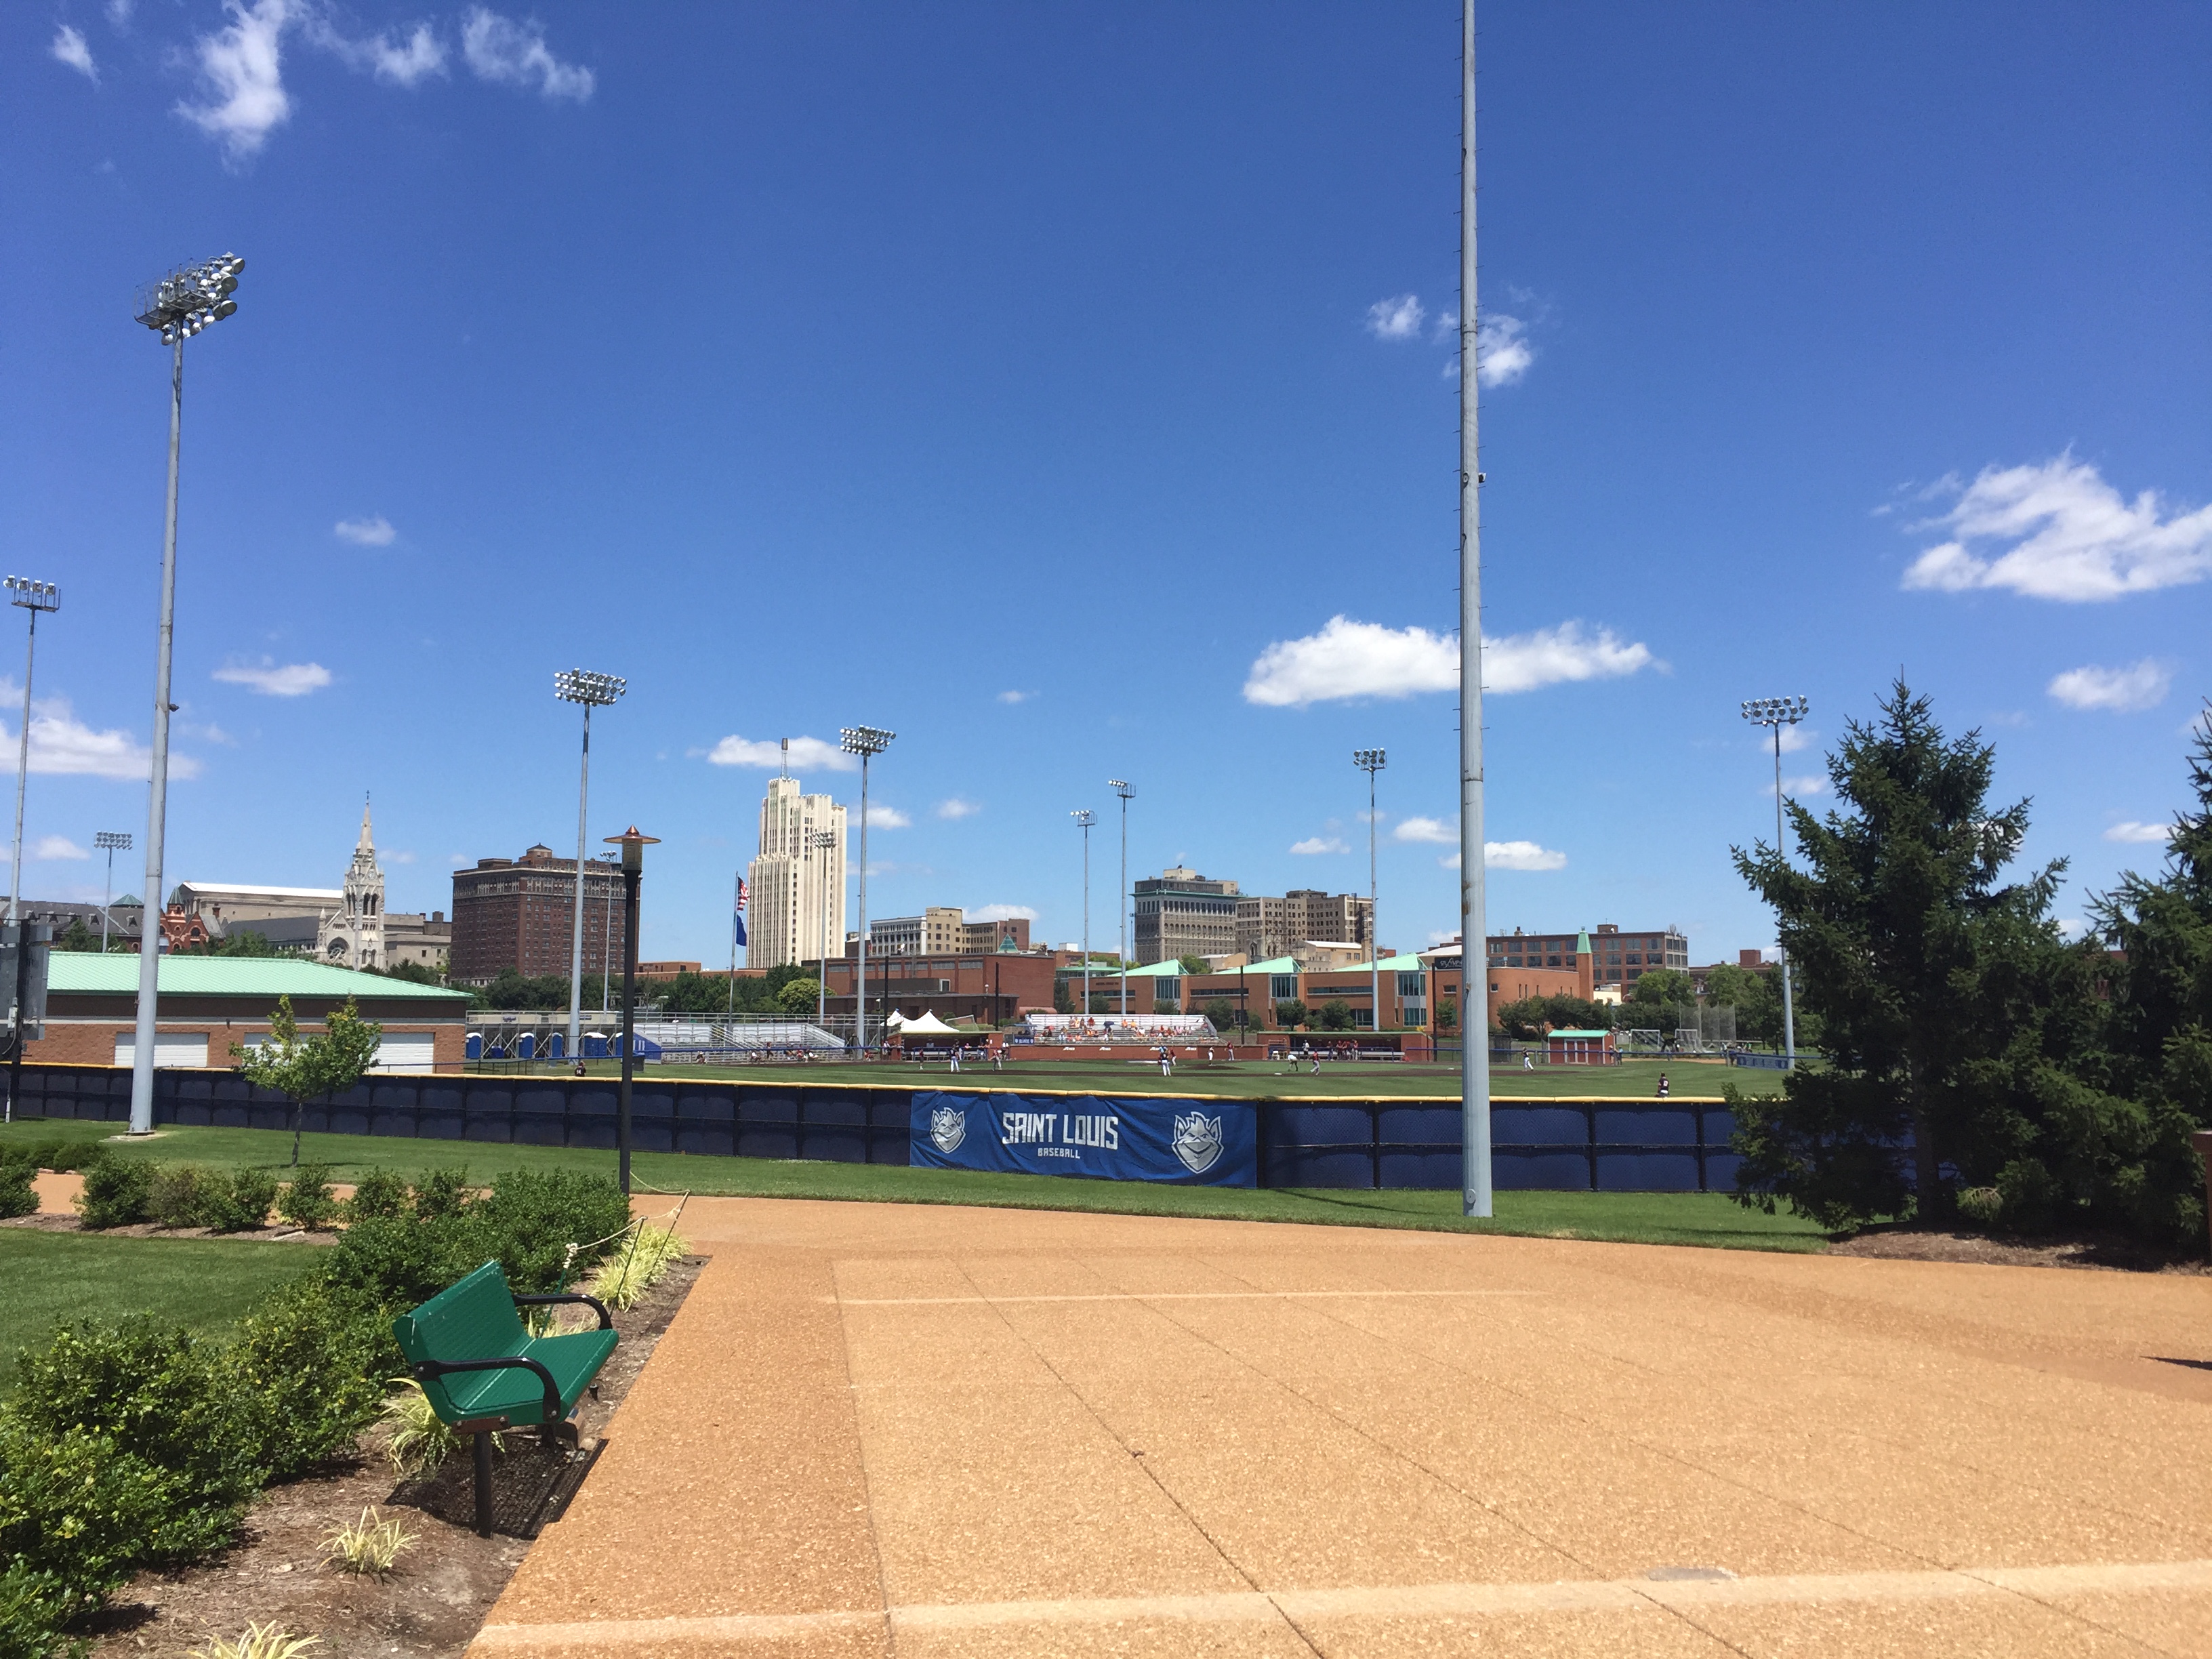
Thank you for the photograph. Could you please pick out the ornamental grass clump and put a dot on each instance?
(270, 1641)
(370, 1546)
(633, 1269)
(418, 1441)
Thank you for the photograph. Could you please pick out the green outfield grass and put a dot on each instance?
(1254, 1079)
(55, 1280)
(1638, 1218)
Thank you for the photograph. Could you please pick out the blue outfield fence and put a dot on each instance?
(1555, 1145)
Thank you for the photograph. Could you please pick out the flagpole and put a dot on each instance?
(737, 920)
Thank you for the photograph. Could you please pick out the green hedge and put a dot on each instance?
(139, 1444)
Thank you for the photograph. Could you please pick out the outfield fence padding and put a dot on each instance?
(1591, 1145)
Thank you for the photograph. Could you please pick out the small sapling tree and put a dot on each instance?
(303, 1068)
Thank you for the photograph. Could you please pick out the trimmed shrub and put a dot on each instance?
(379, 1193)
(175, 1197)
(17, 1195)
(305, 1201)
(115, 1192)
(240, 1203)
(442, 1193)
(546, 1226)
(305, 1370)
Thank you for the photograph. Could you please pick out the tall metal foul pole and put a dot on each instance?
(1474, 954)
(1085, 818)
(1370, 761)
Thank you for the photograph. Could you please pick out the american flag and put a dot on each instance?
(737, 915)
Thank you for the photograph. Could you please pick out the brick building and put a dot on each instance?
(1181, 914)
(204, 1004)
(1269, 926)
(1616, 959)
(521, 913)
(990, 987)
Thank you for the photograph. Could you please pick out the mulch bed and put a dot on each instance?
(2100, 1252)
(284, 1233)
(434, 1601)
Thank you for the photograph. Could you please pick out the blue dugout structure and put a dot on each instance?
(1557, 1146)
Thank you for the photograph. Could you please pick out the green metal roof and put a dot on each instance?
(267, 977)
(1168, 970)
(1581, 1034)
(1271, 965)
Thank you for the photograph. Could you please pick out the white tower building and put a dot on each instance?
(796, 912)
(354, 937)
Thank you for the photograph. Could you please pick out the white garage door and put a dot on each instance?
(171, 1048)
(406, 1051)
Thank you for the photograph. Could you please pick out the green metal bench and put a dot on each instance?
(482, 1371)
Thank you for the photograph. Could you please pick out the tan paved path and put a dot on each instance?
(888, 1429)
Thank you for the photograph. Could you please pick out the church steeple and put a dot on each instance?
(367, 843)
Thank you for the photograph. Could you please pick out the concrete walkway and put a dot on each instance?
(913, 1431)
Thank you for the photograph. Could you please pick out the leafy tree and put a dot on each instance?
(1756, 996)
(77, 937)
(302, 1067)
(1335, 1015)
(1063, 1001)
(1290, 1015)
(1222, 1012)
(1530, 1018)
(1946, 998)
(798, 996)
(1664, 987)
(1447, 1015)
(416, 973)
(1191, 964)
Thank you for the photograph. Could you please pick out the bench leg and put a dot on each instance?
(483, 1439)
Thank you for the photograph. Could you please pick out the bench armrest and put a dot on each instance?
(427, 1370)
(606, 1319)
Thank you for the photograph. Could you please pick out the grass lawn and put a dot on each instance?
(1647, 1218)
(1255, 1079)
(56, 1278)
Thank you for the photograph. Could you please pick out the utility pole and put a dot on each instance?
(1370, 761)
(1120, 786)
(1085, 818)
(1778, 712)
(1474, 952)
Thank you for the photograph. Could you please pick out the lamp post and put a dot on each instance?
(1777, 713)
(176, 307)
(1371, 761)
(820, 841)
(110, 841)
(1121, 787)
(633, 846)
(867, 742)
(581, 685)
(1085, 818)
(33, 597)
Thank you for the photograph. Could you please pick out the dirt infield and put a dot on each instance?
(894, 1429)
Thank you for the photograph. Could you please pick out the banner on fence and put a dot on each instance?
(1192, 1143)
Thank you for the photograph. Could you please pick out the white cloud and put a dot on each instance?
(1016, 697)
(1348, 659)
(957, 808)
(1002, 913)
(808, 754)
(1396, 318)
(58, 847)
(1811, 783)
(515, 54)
(881, 816)
(243, 68)
(393, 855)
(1320, 844)
(63, 746)
(2146, 834)
(2059, 532)
(1428, 829)
(413, 60)
(1521, 855)
(2120, 690)
(1451, 863)
(119, 13)
(1502, 350)
(1794, 738)
(375, 531)
(271, 679)
(70, 48)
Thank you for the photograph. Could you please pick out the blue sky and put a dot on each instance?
(1044, 383)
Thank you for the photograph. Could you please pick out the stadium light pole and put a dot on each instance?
(633, 846)
(1371, 761)
(34, 597)
(1120, 786)
(1085, 818)
(1777, 713)
(176, 307)
(1475, 953)
(867, 742)
(110, 841)
(821, 841)
(581, 685)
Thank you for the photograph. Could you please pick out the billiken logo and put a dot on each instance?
(1197, 1140)
(948, 1127)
